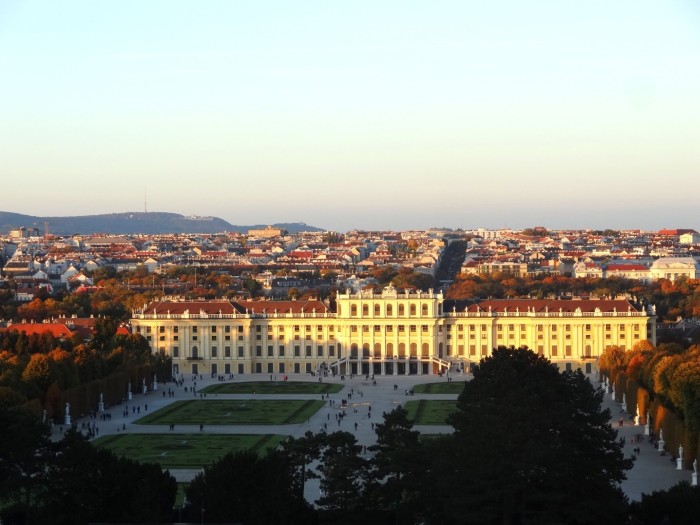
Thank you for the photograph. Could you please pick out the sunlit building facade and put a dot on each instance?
(389, 333)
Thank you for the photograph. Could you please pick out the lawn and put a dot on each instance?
(453, 387)
(429, 412)
(273, 387)
(234, 412)
(173, 451)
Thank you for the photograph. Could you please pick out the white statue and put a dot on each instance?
(68, 409)
(680, 451)
(695, 466)
(661, 434)
(101, 400)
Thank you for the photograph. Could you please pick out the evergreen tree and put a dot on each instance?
(531, 445)
(398, 467)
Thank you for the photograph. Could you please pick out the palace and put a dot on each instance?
(384, 334)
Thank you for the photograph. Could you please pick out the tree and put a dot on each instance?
(24, 441)
(531, 445)
(299, 453)
(343, 478)
(398, 466)
(86, 484)
(243, 487)
(679, 505)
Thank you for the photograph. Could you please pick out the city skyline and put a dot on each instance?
(365, 116)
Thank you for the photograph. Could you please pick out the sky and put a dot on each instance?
(355, 115)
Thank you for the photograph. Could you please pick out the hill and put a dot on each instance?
(133, 223)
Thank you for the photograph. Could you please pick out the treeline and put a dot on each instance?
(672, 299)
(668, 372)
(42, 367)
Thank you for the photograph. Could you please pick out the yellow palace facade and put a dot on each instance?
(389, 333)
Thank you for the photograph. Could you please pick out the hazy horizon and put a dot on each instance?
(363, 115)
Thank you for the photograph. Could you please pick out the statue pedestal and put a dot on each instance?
(679, 464)
(661, 445)
(155, 385)
(647, 430)
(66, 420)
(694, 479)
(100, 407)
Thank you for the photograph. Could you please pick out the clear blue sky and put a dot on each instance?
(363, 114)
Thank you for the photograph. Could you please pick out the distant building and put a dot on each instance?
(672, 268)
(268, 232)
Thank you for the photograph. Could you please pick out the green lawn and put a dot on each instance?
(185, 450)
(234, 412)
(429, 412)
(453, 387)
(273, 387)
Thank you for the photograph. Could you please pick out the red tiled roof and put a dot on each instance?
(284, 306)
(58, 330)
(626, 267)
(552, 305)
(193, 307)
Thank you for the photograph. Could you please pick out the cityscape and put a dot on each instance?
(99, 327)
(324, 263)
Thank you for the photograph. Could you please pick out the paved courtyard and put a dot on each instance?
(366, 403)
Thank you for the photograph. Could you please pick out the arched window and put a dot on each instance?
(424, 310)
(377, 310)
(413, 309)
(402, 311)
(414, 349)
(425, 350)
(353, 310)
(353, 350)
(195, 352)
(389, 310)
(365, 310)
(402, 350)
(390, 349)
(440, 350)
(377, 350)
(365, 350)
